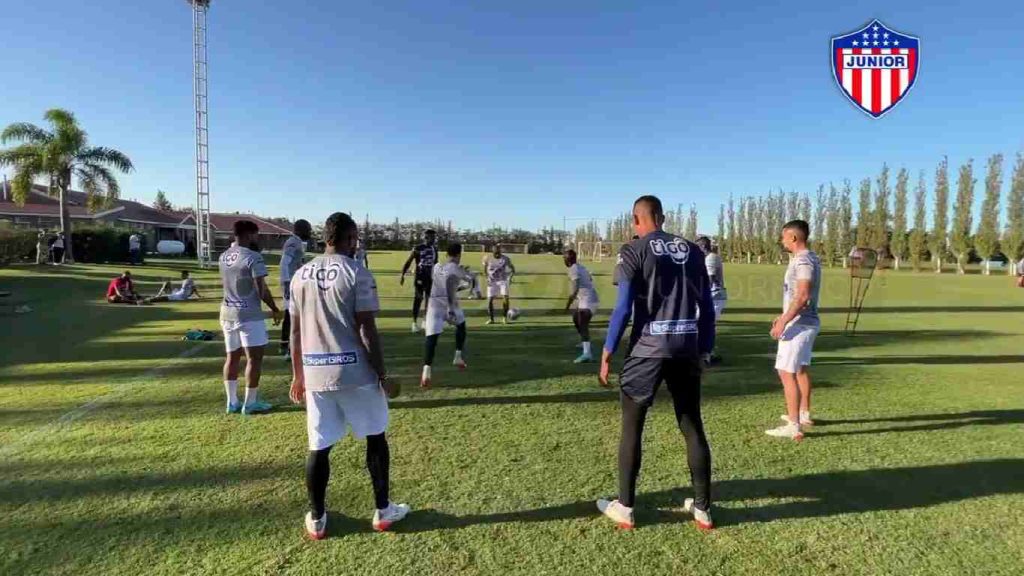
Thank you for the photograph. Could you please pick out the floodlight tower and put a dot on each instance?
(204, 239)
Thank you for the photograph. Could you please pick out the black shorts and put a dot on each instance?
(423, 286)
(641, 377)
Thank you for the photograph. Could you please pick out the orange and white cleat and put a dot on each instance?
(616, 512)
(316, 529)
(383, 519)
(701, 518)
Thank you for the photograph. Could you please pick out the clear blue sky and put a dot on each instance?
(514, 113)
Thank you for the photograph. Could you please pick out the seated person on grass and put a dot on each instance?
(121, 290)
(185, 292)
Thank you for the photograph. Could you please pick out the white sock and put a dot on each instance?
(805, 415)
(586, 348)
(231, 389)
(458, 355)
(251, 395)
(426, 371)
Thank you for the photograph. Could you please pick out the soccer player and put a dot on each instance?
(443, 308)
(185, 292)
(1020, 273)
(662, 279)
(716, 273)
(425, 256)
(291, 260)
(796, 329)
(121, 290)
(243, 274)
(499, 271)
(338, 369)
(583, 301)
(361, 255)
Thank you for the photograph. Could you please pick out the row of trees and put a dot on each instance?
(748, 230)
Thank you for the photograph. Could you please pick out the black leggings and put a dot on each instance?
(286, 329)
(318, 472)
(684, 384)
(431, 347)
(423, 288)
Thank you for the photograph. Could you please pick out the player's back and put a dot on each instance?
(291, 257)
(239, 268)
(441, 273)
(326, 295)
(669, 279)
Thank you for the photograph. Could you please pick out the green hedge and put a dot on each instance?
(16, 244)
(102, 244)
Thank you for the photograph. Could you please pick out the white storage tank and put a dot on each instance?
(170, 247)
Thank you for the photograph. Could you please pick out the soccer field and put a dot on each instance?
(116, 456)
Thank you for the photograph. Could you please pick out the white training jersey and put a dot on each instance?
(716, 271)
(239, 269)
(803, 266)
(498, 269)
(326, 295)
(291, 259)
(186, 286)
(440, 276)
(586, 293)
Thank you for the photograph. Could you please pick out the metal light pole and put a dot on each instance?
(204, 238)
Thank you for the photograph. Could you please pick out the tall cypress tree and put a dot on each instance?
(730, 244)
(691, 223)
(898, 242)
(879, 234)
(960, 234)
(721, 226)
(864, 219)
(940, 215)
(919, 235)
(987, 239)
(846, 235)
(1013, 236)
(832, 225)
(818, 225)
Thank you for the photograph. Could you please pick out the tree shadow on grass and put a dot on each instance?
(931, 422)
(817, 496)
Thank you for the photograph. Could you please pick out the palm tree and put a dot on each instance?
(58, 155)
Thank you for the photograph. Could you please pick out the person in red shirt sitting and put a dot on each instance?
(121, 290)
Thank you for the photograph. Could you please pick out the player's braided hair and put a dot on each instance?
(336, 227)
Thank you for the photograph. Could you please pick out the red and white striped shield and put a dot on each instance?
(875, 66)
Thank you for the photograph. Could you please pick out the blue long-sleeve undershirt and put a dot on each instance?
(620, 316)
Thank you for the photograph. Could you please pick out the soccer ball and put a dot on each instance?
(513, 314)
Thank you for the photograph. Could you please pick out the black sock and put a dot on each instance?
(460, 337)
(416, 302)
(431, 349)
(378, 462)
(318, 472)
(490, 308)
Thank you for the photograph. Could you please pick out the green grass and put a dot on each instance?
(115, 457)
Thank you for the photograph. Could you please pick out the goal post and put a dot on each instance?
(474, 248)
(594, 251)
(514, 248)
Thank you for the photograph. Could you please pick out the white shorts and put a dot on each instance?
(330, 415)
(244, 334)
(719, 306)
(795, 348)
(437, 316)
(586, 304)
(497, 288)
(177, 296)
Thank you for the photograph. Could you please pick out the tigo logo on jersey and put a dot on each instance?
(875, 66)
(230, 258)
(325, 276)
(675, 248)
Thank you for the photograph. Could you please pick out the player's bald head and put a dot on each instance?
(648, 215)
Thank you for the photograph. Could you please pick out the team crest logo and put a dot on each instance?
(875, 66)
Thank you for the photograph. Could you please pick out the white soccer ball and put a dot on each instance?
(513, 313)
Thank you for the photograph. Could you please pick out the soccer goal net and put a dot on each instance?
(474, 248)
(594, 251)
(515, 248)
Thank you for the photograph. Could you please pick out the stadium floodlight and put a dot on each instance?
(862, 267)
(204, 236)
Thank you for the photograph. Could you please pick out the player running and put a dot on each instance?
(443, 308)
(425, 256)
(663, 279)
(291, 260)
(716, 273)
(583, 301)
(499, 271)
(243, 274)
(796, 329)
(338, 369)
